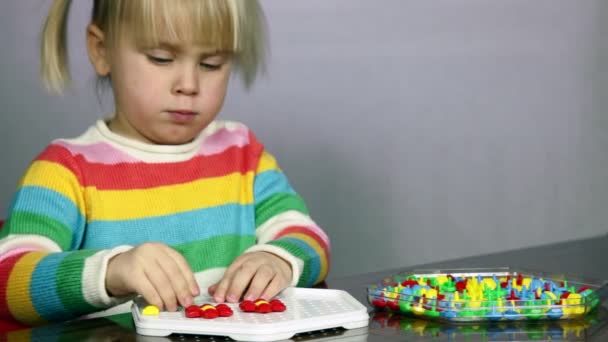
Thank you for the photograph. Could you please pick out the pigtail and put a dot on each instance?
(53, 47)
(250, 39)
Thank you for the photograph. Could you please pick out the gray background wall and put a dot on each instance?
(417, 131)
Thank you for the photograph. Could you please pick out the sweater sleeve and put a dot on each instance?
(44, 275)
(284, 227)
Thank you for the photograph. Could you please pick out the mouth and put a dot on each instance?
(182, 116)
(182, 112)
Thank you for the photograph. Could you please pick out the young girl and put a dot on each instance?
(159, 199)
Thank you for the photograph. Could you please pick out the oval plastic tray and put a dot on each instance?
(489, 294)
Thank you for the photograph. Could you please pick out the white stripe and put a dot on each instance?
(271, 227)
(29, 241)
(204, 279)
(94, 278)
(149, 152)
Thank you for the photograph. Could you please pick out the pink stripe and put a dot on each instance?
(15, 252)
(100, 152)
(317, 231)
(223, 139)
(107, 154)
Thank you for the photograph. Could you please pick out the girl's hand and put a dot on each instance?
(263, 274)
(154, 270)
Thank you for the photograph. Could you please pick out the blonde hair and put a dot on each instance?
(233, 26)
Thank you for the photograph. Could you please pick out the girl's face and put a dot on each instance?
(165, 94)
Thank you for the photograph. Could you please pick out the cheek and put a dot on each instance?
(139, 91)
(215, 94)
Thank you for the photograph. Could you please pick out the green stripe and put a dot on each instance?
(277, 204)
(21, 222)
(69, 282)
(124, 321)
(298, 252)
(218, 251)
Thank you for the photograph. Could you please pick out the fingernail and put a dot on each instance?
(187, 301)
(232, 298)
(218, 299)
(250, 297)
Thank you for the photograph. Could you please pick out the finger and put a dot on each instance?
(162, 284)
(262, 278)
(177, 280)
(222, 287)
(212, 289)
(241, 280)
(274, 288)
(144, 287)
(186, 271)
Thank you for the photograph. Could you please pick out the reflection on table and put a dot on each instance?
(390, 324)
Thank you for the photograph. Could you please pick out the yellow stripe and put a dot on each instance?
(315, 245)
(56, 177)
(171, 199)
(18, 296)
(267, 162)
(19, 335)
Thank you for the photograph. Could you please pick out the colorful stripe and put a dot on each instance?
(91, 194)
(56, 206)
(145, 175)
(69, 282)
(277, 204)
(267, 162)
(102, 153)
(218, 251)
(106, 153)
(45, 295)
(320, 252)
(27, 223)
(7, 267)
(223, 139)
(63, 182)
(204, 193)
(172, 229)
(18, 291)
(299, 249)
(269, 182)
(320, 243)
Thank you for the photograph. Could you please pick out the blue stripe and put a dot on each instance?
(313, 260)
(269, 183)
(50, 203)
(43, 289)
(48, 333)
(173, 229)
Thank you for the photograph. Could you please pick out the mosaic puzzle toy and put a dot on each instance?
(295, 310)
(487, 295)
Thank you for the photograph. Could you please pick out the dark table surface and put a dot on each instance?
(586, 258)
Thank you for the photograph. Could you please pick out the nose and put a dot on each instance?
(186, 82)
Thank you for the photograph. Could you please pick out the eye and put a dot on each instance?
(159, 60)
(210, 66)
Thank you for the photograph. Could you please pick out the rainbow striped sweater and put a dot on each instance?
(84, 200)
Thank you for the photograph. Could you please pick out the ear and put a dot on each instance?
(97, 49)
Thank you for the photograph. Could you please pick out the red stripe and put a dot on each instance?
(6, 267)
(125, 176)
(306, 231)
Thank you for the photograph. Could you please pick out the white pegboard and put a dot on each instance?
(307, 310)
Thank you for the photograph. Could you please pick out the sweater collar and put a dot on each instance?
(194, 145)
